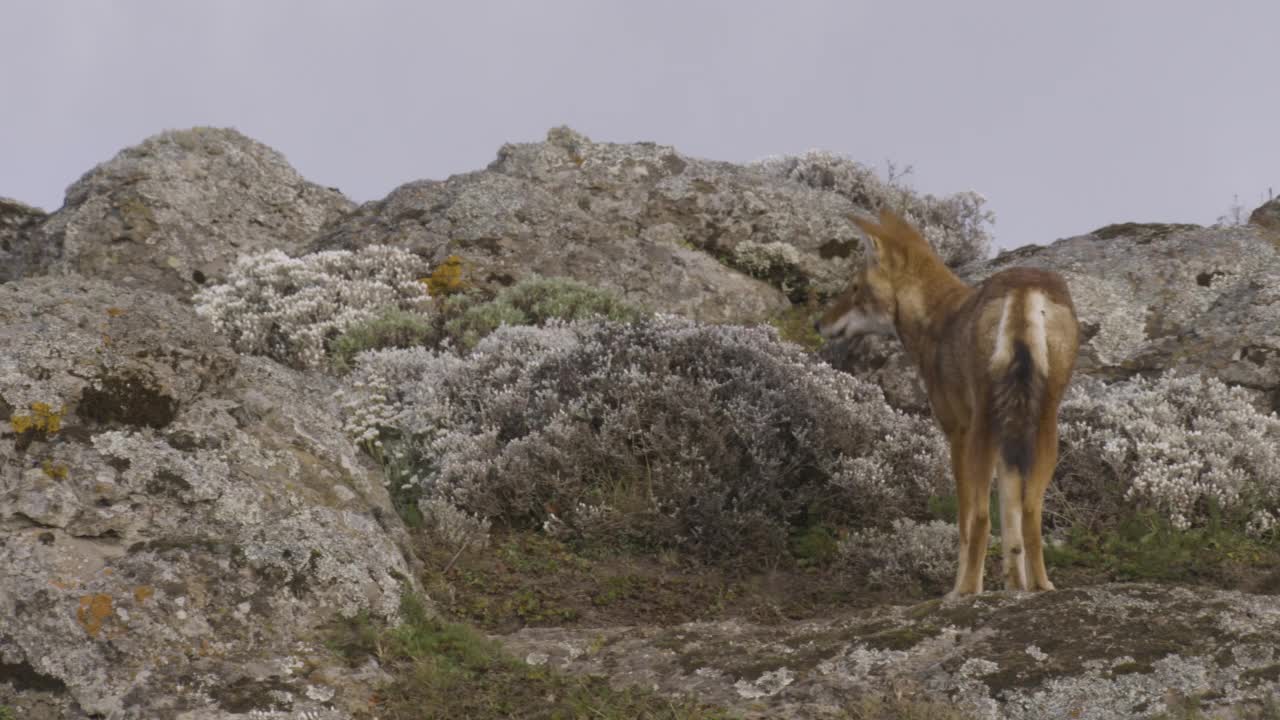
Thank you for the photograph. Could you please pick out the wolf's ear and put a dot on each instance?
(874, 247)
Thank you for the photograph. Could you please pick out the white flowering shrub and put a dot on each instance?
(456, 528)
(662, 432)
(290, 308)
(774, 262)
(957, 226)
(908, 555)
(1185, 446)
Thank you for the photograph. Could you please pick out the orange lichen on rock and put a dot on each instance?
(43, 418)
(143, 593)
(55, 471)
(93, 612)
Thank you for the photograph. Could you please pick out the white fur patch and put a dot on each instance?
(1037, 336)
(1011, 547)
(855, 322)
(1004, 344)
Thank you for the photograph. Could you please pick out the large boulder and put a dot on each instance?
(175, 522)
(1158, 297)
(19, 254)
(1101, 653)
(173, 212)
(663, 229)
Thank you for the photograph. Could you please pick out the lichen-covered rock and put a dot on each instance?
(173, 212)
(1267, 215)
(175, 522)
(1100, 653)
(19, 254)
(638, 219)
(957, 225)
(709, 240)
(1157, 297)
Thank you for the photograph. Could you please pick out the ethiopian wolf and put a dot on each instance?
(995, 360)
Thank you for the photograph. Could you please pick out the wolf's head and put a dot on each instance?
(870, 305)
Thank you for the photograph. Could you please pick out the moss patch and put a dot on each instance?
(137, 218)
(1146, 547)
(1130, 632)
(902, 637)
(127, 399)
(447, 670)
(795, 325)
(1269, 673)
(23, 677)
(247, 695)
(526, 579)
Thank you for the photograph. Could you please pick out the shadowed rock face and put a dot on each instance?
(170, 512)
(1118, 651)
(19, 254)
(172, 213)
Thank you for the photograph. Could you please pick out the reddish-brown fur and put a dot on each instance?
(995, 360)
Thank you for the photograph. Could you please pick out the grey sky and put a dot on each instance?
(1066, 115)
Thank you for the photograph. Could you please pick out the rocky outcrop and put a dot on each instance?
(19, 255)
(659, 227)
(1267, 215)
(1157, 297)
(175, 521)
(1101, 653)
(173, 212)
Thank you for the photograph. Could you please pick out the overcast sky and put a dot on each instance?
(1066, 115)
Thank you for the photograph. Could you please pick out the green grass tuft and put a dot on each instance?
(814, 545)
(449, 670)
(1146, 546)
(394, 328)
(894, 707)
(795, 325)
(534, 301)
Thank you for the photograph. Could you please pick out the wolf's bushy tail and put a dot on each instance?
(1017, 398)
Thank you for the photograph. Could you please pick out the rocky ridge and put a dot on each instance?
(641, 219)
(176, 522)
(1100, 653)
